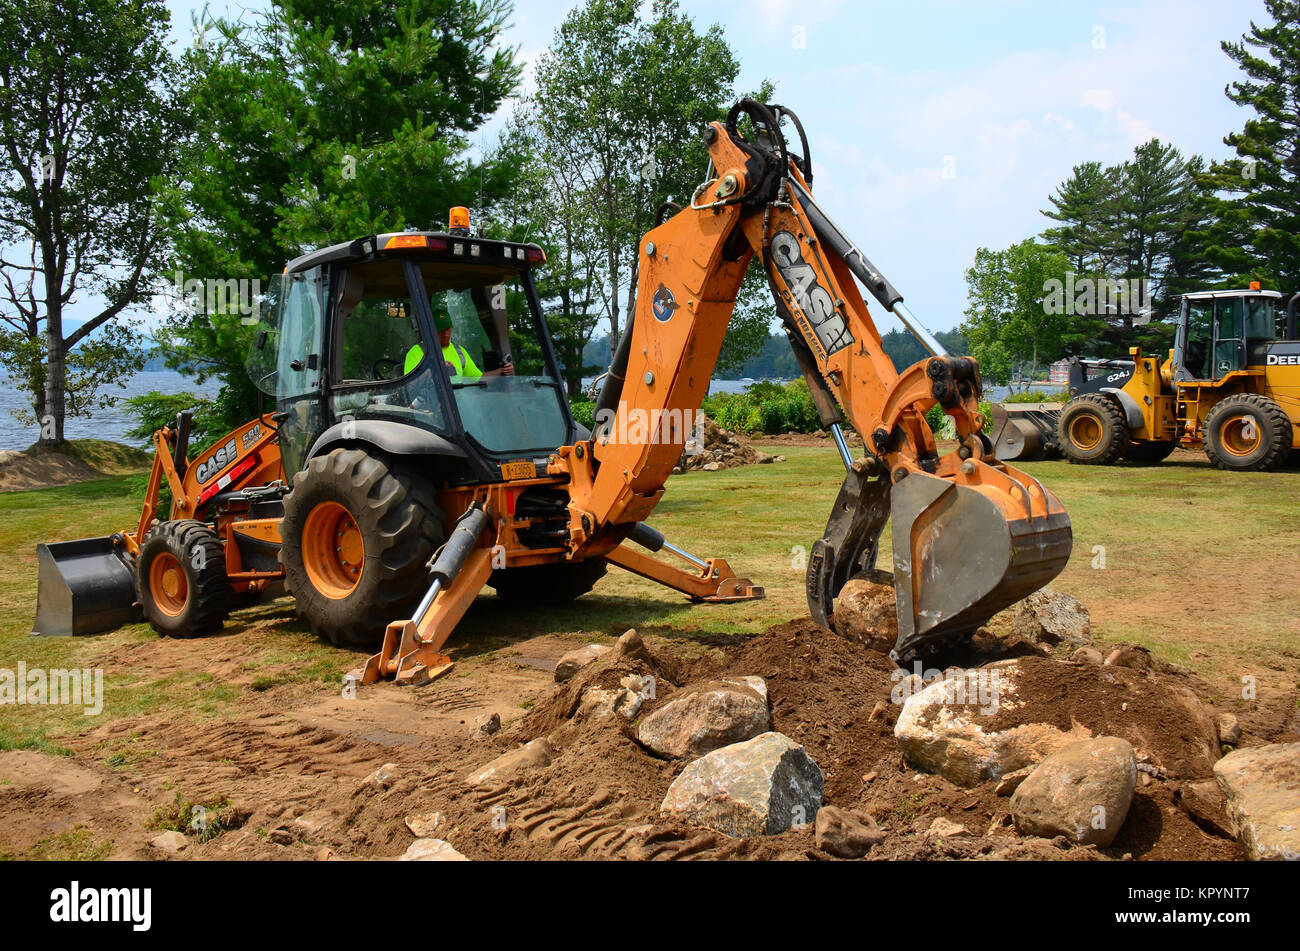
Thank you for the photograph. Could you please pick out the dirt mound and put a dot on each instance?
(599, 795)
(719, 449)
(76, 461)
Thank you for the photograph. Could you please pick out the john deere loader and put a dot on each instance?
(1231, 386)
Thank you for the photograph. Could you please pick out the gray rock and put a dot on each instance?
(603, 704)
(1229, 729)
(529, 756)
(1136, 658)
(1050, 617)
(849, 835)
(170, 842)
(1082, 792)
(1206, 805)
(423, 825)
(707, 717)
(1011, 781)
(383, 777)
(1262, 788)
(487, 725)
(943, 828)
(762, 786)
(575, 660)
(432, 850)
(1088, 655)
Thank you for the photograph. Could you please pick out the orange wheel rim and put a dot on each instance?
(1085, 431)
(1240, 435)
(168, 584)
(333, 551)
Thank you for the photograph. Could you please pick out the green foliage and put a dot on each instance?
(1252, 232)
(315, 123)
(770, 408)
(623, 92)
(584, 411)
(1010, 329)
(154, 410)
(88, 121)
(1035, 396)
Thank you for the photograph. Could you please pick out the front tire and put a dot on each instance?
(1092, 431)
(181, 579)
(1247, 433)
(357, 535)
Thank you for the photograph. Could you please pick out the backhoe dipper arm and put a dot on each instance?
(971, 534)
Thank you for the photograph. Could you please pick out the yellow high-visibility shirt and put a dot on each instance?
(458, 357)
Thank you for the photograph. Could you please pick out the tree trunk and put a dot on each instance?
(51, 419)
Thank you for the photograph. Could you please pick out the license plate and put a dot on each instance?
(518, 470)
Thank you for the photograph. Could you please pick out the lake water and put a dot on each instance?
(109, 423)
(113, 423)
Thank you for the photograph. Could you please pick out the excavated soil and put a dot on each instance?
(288, 777)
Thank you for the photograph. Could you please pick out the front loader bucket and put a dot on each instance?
(84, 587)
(963, 553)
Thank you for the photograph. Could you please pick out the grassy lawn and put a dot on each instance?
(1198, 565)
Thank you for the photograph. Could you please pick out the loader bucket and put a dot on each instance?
(84, 587)
(963, 553)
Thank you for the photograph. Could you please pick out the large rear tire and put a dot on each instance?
(180, 577)
(1092, 431)
(557, 583)
(357, 535)
(1248, 433)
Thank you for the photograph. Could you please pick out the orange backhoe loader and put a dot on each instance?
(217, 549)
(426, 461)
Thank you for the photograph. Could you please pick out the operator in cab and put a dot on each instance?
(457, 358)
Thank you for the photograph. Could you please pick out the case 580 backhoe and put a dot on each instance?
(420, 473)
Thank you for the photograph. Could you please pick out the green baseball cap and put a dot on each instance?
(443, 322)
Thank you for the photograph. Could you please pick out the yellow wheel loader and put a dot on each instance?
(425, 429)
(1231, 386)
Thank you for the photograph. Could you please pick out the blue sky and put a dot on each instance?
(940, 126)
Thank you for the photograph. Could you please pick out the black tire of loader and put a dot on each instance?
(1275, 429)
(557, 583)
(209, 595)
(401, 527)
(1148, 453)
(1114, 430)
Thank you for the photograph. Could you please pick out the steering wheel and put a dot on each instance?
(379, 374)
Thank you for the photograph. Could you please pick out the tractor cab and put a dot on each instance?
(421, 343)
(1220, 332)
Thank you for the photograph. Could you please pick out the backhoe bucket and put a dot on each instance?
(84, 587)
(963, 553)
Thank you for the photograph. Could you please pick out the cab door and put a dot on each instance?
(1229, 337)
(299, 364)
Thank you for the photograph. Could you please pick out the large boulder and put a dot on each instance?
(865, 612)
(432, 850)
(1262, 787)
(943, 729)
(992, 721)
(1050, 617)
(762, 786)
(704, 718)
(1082, 792)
